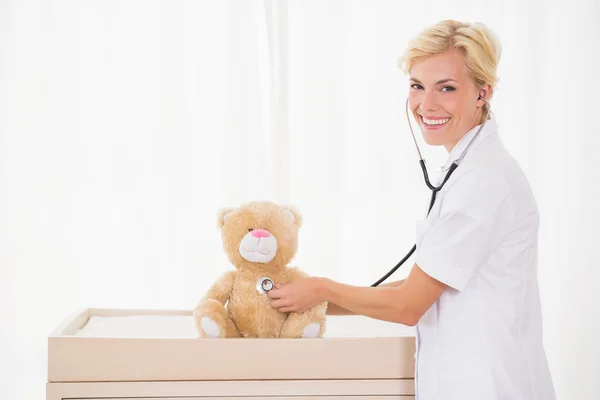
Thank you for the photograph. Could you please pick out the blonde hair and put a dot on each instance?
(478, 46)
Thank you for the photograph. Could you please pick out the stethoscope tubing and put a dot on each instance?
(434, 189)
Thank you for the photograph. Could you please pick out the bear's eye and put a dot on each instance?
(250, 229)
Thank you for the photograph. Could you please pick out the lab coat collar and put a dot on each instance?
(490, 127)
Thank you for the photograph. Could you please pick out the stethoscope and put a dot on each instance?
(265, 284)
(434, 189)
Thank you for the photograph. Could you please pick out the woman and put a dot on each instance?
(472, 292)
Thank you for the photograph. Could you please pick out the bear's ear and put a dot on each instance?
(292, 214)
(223, 215)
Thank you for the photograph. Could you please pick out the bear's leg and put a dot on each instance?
(213, 321)
(309, 324)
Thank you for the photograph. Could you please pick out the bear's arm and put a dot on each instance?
(221, 289)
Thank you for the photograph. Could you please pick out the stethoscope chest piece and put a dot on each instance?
(264, 285)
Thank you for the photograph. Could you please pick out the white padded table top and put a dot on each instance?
(123, 345)
(182, 326)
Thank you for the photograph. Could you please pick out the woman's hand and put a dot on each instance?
(298, 296)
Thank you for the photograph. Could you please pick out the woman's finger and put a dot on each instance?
(287, 309)
(279, 303)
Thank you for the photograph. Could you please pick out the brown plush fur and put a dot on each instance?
(233, 302)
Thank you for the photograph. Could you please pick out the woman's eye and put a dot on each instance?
(448, 89)
(416, 86)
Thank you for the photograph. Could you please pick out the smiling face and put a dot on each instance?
(444, 98)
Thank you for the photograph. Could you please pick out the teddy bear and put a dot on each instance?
(260, 239)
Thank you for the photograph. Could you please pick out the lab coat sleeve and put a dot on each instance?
(462, 237)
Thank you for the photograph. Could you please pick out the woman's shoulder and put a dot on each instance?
(473, 183)
(494, 163)
(493, 174)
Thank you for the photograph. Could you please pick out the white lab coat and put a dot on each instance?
(482, 339)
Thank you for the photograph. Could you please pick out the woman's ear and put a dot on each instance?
(485, 93)
(222, 216)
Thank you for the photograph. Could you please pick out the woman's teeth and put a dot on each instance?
(434, 122)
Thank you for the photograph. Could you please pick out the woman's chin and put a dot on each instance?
(433, 138)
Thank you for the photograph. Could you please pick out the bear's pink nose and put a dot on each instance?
(260, 233)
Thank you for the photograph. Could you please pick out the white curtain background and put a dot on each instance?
(126, 125)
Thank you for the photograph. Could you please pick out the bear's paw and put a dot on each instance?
(210, 327)
(311, 330)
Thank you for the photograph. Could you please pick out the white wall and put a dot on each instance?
(124, 126)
